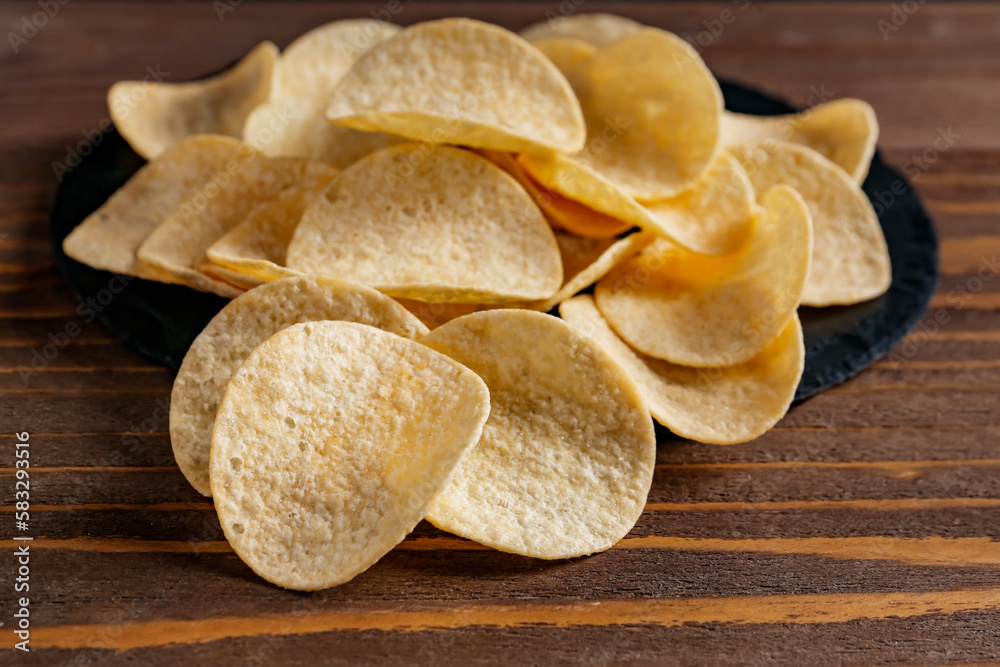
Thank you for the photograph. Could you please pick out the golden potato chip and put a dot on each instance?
(597, 29)
(296, 126)
(562, 213)
(716, 215)
(246, 322)
(703, 311)
(178, 245)
(843, 131)
(566, 458)
(721, 406)
(330, 444)
(240, 281)
(109, 238)
(256, 247)
(433, 223)
(434, 315)
(585, 261)
(314, 64)
(652, 110)
(460, 81)
(153, 116)
(850, 261)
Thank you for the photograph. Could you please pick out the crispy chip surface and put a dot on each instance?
(850, 261)
(597, 29)
(705, 311)
(561, 212)
(238, 329)
(652, 110)
(256, 247)
(296, 127)
(585, 261)
(331, 442)
(464, 82)
(154, 115)
(566, 458)
(720, 406)
(843, 131)
(178, 246)
(716, 215)
(315, 62)
(434, 223)
(110, 236)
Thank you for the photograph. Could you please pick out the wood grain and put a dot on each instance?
(861, 530)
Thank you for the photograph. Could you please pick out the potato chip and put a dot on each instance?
(256, 247)
(434, 315)
(585, 261)
(178, 245)
(246, 322)
(296, 127)
(153, 116)
(237, 280)
(843, 131)
(110, 236)
(464, 82)
(652, 110)
(597, 29)
(721, 406)
(566, 458)
(850, 261)
(562, 213)
(314, 64)
(330, 444)
(704, 311)
(433, 223)
(716, 215)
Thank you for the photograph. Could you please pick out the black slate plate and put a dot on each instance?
(161, 320)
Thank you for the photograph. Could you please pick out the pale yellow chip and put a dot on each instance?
(178, 245)
(850, 261)
(705, 311)
(256, 247)
(585, 261)
(464, 82)
(246, 322)
(566, 458)
(561, 212)
(315, 62)
(434, 315)
(331, 443)
(109, 237)
(652, 110)
(296, 126)
(843, 131)
(238, 281)
(721, 406)
(155, 115)
(597, 29)
(716, 215)
(434, 223)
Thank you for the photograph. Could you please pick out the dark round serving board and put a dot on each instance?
(161, 320)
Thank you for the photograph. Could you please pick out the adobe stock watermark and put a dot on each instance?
(121, 107)
(88, 309)
(900, 14)
(31, 25)
(716, 26)
(956, 299)
(914, 167)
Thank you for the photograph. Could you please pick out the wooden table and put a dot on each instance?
(860, 530)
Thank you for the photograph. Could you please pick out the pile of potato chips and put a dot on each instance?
(395, 211)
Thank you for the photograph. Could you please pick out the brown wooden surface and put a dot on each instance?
(861, 530)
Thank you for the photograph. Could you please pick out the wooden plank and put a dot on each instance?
(860, 530)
